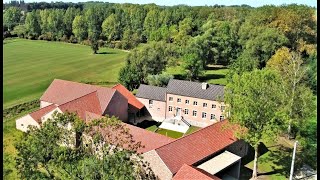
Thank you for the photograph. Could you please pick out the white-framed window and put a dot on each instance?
(223, 108)
(213, 116)
(187, 101)
(205, 105)
(214, 106)
(204, 115)
(179, 100)
(150, 102)
(170, 99)
(170, 108)
(221, 118)
(186, 111)
(158, 109)
(194, 113)
(195, 103)
(21, 124)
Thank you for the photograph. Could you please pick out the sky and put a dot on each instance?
(253, 3)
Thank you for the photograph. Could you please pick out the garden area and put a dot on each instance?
(154, 127)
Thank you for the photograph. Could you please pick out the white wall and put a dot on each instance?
(49, 114)
(23, 123)
(44, 104)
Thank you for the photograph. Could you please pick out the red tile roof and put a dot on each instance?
(89, 102)
(132, 100)
(196, 146)
(62, 91)
(148, 139)
(36, 115)
(187, 172)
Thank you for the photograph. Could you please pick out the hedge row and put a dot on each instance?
(20, 108)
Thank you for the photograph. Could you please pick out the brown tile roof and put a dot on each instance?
(132, 100)
(89, 102)
(62, 91)
(36, 115)
(148, 139)
(196, 146)
(187, 172)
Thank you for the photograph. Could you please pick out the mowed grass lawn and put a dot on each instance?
(30, 66)
(212, 75)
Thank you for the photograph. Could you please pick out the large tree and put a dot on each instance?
(55, 151)
(11, 17)
(255, 105)
(297, 97)
(193, 66)
(32, 24)
(79, 28)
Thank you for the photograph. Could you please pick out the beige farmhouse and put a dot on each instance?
(200, 104)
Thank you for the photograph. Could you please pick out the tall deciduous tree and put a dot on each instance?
(193, 66)
(68, 18)
(254, 106)
(32, 24)
(290, 67)
(11, 17)
(79, 27)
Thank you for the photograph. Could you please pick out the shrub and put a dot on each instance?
(118, 45)
(6, 34)
(101, 43)
(86, 42)
(73, 39)
(64, 38)
(15, 110)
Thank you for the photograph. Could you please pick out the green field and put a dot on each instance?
(213, 75)
(30, 66)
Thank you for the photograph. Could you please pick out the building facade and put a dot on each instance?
(200, 104)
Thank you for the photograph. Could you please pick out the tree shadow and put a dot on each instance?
(215, 68)
(211, 76)
(281, 158)
(145, 124)
(105, 52)
(179, 76)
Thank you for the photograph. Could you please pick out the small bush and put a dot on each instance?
(118, 45)
(6, 34)
(64, 38)
(101, 43)
(86, 42)
(73, 39)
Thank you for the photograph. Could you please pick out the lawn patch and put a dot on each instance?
(192, 129)
(169, 133)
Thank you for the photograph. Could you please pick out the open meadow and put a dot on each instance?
(30, 66)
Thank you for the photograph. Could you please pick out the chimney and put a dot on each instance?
(204, 86)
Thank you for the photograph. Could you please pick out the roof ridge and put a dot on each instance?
(95, 91)
(43, 108)
(153, 86)
(197, 82)
(192, 133)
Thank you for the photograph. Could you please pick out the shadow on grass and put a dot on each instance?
(106, 52)
(215, 68)
(280, 159)
(211, 76)
(145, 124)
